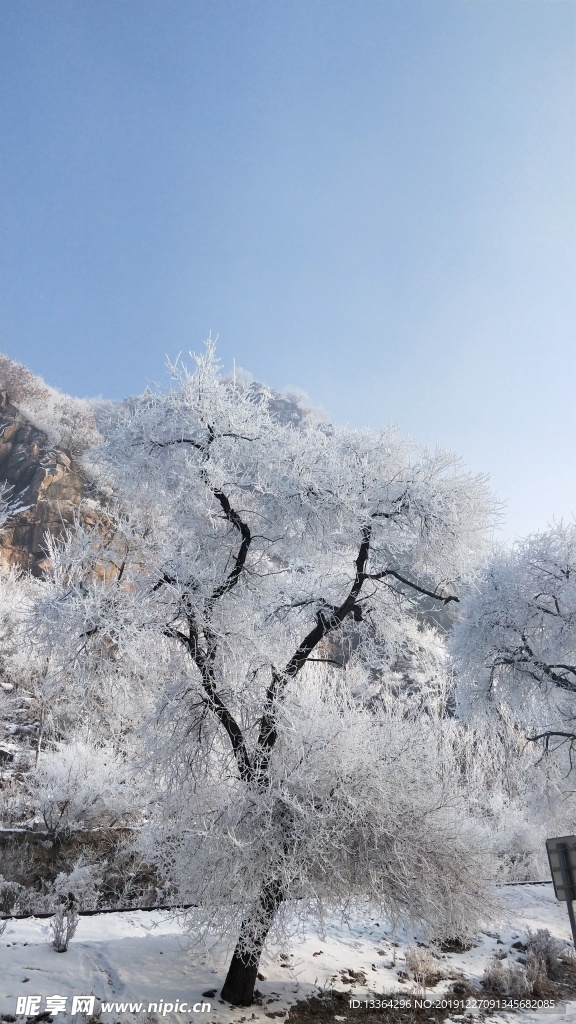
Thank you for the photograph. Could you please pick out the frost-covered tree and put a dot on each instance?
(515, 643)
(261, 579)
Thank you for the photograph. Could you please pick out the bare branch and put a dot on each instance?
(414, 586)
(326, 622)
(199, 445)
(240, 561)
(204, 661)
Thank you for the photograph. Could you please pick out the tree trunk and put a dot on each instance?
(241, 978)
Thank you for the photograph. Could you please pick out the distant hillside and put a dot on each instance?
(42, 434)
(68, 423)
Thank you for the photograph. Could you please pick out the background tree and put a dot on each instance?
(244, 556)
(514, 646)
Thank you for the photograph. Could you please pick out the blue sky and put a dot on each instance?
(372, 200)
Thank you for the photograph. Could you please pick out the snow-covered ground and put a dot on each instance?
(145, 957)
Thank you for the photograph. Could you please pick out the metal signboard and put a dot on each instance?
(562, 849)
(562, 857)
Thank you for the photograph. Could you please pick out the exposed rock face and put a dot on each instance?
(45, 481)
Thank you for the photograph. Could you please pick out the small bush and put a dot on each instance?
(532, 977)
(537, 975)
(81, 884)
(547, 950)
(63, 925)
(11, 894)
(424, 966)
(504, 979)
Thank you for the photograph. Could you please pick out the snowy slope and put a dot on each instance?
(145, 957)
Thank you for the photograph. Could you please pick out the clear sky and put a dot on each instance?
(373, 200)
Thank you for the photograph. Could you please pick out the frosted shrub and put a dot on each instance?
(423, 965)
(78, 785)
(81, 884)
(537, 974)
(63, 925)
(68, 422)
(506, 979)
(532, 979)
(10, 894)
(544, 950)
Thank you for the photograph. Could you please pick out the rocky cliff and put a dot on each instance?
(45, 478)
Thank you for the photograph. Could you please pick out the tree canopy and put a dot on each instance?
(515, 643)
(254, 590)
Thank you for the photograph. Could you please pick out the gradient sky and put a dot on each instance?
(372, 200)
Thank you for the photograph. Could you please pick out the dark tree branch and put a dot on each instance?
(176, 634)
(413, 586)
(549, 734)
(166, 578)
(199, 445)
(205, 659)
(233, 730)
(326, 621)
(230, 513)
(329, 661)
(179, 440)
(240, 561)
(548, 670)
(564, 737)
(547, 610)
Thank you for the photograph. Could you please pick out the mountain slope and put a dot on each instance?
(42, 433)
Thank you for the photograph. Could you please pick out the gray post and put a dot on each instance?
(562, 849)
